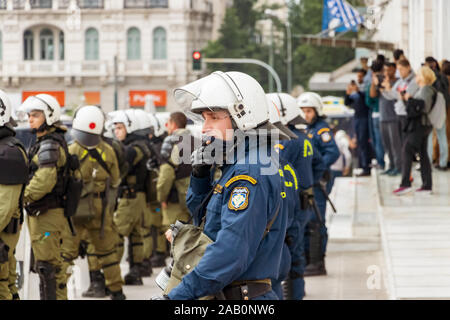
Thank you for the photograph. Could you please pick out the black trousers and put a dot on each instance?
(416, 142)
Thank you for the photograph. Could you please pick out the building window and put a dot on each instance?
(90, 4)
(61, 45)
(133, 44)
(159, 4)
(159, 44)
(28, 44)
(91, 44)
(47, 46)
(2, 4)
(41, 4)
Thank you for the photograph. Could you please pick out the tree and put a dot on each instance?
(239, 38)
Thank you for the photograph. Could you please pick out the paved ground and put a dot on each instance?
(383, 247)
(416, 238)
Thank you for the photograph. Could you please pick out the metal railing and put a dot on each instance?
(131, 4)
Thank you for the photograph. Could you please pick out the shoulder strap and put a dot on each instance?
(94, 153)
(271, 222)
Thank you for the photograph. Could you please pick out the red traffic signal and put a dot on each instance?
(197, 55)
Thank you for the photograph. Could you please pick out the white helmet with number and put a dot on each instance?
(128, 118)
(46, 103)
(275, 119)
(87, 126)
(311, 100)
(238, 93)
(5, 109)
(290, 113)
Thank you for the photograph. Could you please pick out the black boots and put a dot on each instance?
(133, 278)
(314, 257)
(158, 259)
(117, 295)
(97, 287)
(146, 268)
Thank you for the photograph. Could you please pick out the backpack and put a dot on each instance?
(120, 151)
(68, 188)
(438, 114)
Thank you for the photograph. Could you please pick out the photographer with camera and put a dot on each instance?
(389, 122)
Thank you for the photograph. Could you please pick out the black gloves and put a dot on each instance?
(202, 161)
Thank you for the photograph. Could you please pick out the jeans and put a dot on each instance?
(392, 143)
(377, 143)
(443, 147)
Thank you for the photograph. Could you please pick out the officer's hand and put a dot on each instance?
(163, 297)
(164, 205)
(201, 165)
(168, 235)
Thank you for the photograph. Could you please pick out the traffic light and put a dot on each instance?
(196, 60)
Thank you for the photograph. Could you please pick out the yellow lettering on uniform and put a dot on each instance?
(307, 149)
(281, 173)
(289, 168)
(283, 195)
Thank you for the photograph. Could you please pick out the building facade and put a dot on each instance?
(419, 27)
(81, 50)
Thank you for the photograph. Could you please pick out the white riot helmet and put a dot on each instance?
(290, 113)
(238, 93)
(143, 121)
(311, 100)
(5, 109)
(275, 119)
(109, 129)
(87, 126)
(158, 127)
(45, 103)
(128, 118)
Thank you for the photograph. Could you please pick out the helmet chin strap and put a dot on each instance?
(42, 128)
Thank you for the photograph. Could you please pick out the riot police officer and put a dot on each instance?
(291, 257)
(174, 176)
(307, 163)
(13, 177)
(242, 208)
(44, 194)
(132, 200)
(320, 134)
(100, 172)
(155, 244)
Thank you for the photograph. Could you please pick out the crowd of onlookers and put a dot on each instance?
(403, 114)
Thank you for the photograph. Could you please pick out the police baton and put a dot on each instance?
(316, 211)
(324, 191)
(72, 228)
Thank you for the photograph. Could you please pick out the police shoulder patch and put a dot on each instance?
(326, 137)
(239, 198)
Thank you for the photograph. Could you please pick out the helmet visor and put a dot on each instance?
(87, 140)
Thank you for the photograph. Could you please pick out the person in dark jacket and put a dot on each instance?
(355, 98)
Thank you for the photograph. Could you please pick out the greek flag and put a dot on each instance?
(340, 15)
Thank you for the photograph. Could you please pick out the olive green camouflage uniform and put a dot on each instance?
(94, 181)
